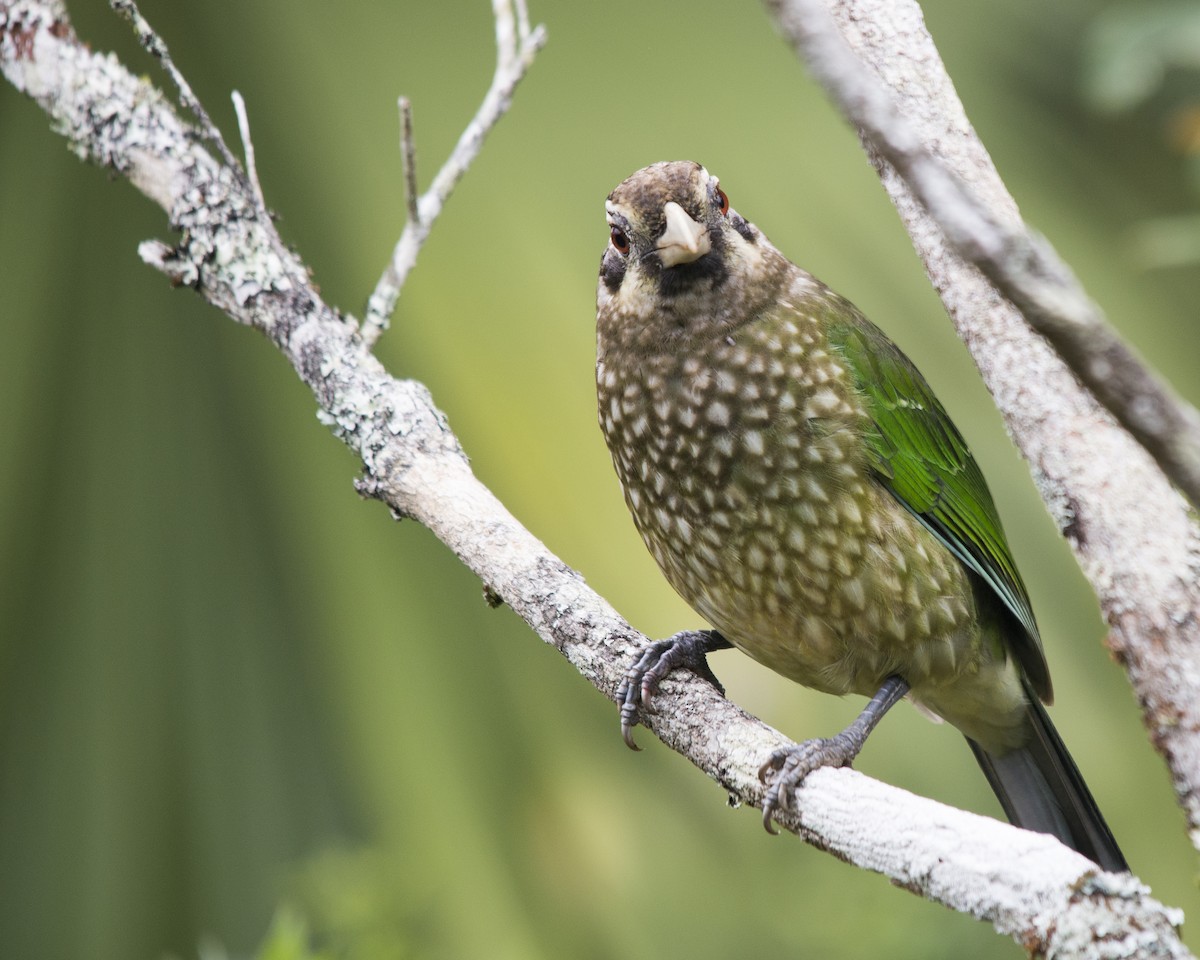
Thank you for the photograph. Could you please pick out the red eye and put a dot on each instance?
(619, 241)
(723, 200)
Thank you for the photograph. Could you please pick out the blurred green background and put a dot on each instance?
(230, 687)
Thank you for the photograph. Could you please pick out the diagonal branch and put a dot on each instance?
(1049, 898)
(516, 46)
(1134, 537)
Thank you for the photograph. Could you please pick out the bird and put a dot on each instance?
(801, 487)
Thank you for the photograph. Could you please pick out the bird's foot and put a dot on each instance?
(787, 767)
(685, 649)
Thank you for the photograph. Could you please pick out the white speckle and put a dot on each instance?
(662, 409)
(726, 382)
(684, 530)
(756, 558)
(724, 445)
(853, 591)
(662, 518)
(635, 499)
(851, 512)
(787, 402)
(821, 404)
(815, 490)
(718, 414)
(752, 440)
(819, 558)
(638, 427)
(816, 635)
(687, 417)
(807, 513)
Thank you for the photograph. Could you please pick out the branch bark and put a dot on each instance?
(1050, 899)
(1134, 536)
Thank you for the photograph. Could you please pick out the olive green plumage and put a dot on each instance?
(802, 488)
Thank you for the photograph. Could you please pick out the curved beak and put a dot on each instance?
(684, 240)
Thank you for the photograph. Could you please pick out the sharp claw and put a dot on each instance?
(628, 721)
(641, 681)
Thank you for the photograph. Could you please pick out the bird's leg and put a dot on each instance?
(685, 649)
(788, 766)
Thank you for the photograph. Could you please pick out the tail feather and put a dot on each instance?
(1041, 789)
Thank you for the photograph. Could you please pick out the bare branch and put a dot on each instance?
(516, 47)
(1050, 899)
(156, 46)
(408, 153)
(239, 106)
(1135, 538)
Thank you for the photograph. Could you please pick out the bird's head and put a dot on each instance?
(680, 259)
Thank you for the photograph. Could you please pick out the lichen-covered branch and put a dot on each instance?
(1132, 533)
(1047, 897)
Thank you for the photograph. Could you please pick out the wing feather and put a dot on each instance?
(918, 455)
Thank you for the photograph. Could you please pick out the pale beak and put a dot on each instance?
(684, 240)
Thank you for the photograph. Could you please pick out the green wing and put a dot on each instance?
(920, 457)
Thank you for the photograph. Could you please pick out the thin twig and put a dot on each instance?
(1021, 264)
(516, 47)
(408, 155)
(156, 46)
(239, 106)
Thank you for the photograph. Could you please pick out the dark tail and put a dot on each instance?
(1041, 789)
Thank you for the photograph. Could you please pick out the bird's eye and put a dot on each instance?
(723, 200)
(620, 242)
